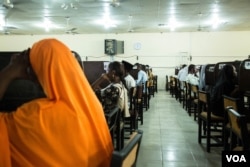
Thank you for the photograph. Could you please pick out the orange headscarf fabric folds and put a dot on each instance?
(67, 128)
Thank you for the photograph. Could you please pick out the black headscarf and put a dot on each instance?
(224, 86)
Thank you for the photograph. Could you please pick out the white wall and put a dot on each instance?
(162, 51)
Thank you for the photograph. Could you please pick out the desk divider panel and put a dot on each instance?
(94, 69)
(244, 75)
(209, 74)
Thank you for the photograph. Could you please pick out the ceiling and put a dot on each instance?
(27, 17)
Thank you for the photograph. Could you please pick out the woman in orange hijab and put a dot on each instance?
(67, 128)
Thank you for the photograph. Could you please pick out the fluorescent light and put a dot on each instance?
(172, 24)
(216, 21)
(107, 22)
(47, 25)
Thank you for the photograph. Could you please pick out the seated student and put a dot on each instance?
(150, 76)
(202, 84)
(142, 77)
(115, 93)
(224, 85)
(65, 128)
(192, 77)
(129, 82)
(182, 74)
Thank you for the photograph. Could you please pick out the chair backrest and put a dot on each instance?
(238, 125)
(209, 74)
(172, 81)
(145, 87)
(132, 98)
(230, 101)
(139, 90)
(203, 96)
(203, 102)
(176, 83)
(112, 117)
(194, 90)
(186, 87)
(218, 67)
(127, 157)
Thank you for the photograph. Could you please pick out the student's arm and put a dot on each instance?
(96, 85)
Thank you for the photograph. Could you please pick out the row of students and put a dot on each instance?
(121, 82)
(225, 84)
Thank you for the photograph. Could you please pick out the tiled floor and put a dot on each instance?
(170, 137)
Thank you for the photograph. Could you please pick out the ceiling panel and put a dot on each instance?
(140, 16)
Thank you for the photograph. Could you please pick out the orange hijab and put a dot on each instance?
(68, 128)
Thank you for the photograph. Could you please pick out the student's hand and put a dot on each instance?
(17, 68)
(105, 76)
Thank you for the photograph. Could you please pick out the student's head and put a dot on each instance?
(230, 71)
(115, 69)
(227, 73)
(127, 66)
(29, 73)
(138, 66)
(183, 66)
(191, 69)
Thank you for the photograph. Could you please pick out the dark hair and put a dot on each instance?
(191, 67)
(226, 73)
(118, 68)
(224, 86)
(119, 71)
(183, 66)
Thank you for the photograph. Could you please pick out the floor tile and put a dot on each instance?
(170, 137)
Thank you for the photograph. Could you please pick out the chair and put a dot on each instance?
(155, 83)
(139, 104)
(172, 85)
(111, 118)
(176, 93)
(184, 93)
(187, 95)
(145, 100)
(130, 122)
(238, 126)
(151, 88)
(234, 103)
(194, 100)
(128, 155)
(120, 132)
(190, 99)
(181, 92)
(210, 124)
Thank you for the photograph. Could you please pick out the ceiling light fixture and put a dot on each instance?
(172, 24)
(7, 4)
(65, 6)
(47, 24)
(115, 3)
(216, 21)
(107, 22)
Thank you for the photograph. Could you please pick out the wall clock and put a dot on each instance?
(137, 46)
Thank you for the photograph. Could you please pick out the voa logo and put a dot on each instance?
(236, 158)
